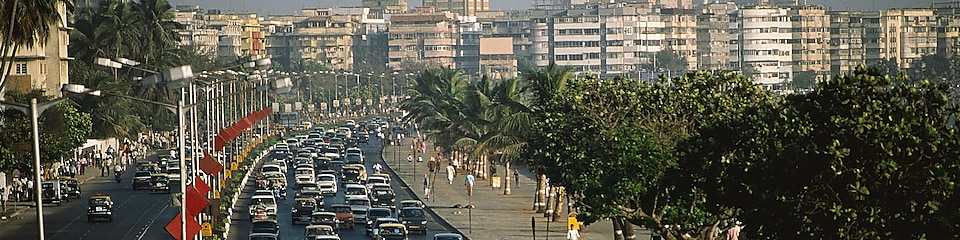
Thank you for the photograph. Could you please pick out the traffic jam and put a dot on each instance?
(319, 167)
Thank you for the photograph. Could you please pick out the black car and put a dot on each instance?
(303, 210)
(375, 213)
(159, 183)
(414, 218)
(265, 226)
(382, 197)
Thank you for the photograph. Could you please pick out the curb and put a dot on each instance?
(246, 177)
(406, 187)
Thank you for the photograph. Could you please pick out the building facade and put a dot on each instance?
(43, 67)
(424, 38)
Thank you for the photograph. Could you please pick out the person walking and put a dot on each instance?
(572, 233)
(516, 176)
(377, 168)
(409, 157)
(451, 172)
(426, 187)
(469, 183)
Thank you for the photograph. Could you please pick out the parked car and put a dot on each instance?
(414, 218)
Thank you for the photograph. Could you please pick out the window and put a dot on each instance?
(21, 69)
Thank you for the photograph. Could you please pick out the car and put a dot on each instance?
(327, 183)
(375, 213)
(270, 226)
(359, 206)
(100, 206)
(381, 175)
(412, 203)
(141, 180)
(159, 183)
(150, 167)
(376, 180)
(326, 218)
(353, 158)
(313, 231)
(322, 237)
(263, 236)
(174, 174)
(447, 236)
(391, 231)
(72, 185)
(302, 210)
(268, 203)
(331, 152)
(344, 215)
(415, 218)
(381, 195)
(354, 191)
(372, 227)
(272, 167)
(314, 194)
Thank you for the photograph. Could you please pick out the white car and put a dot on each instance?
(354, 191)
(269, 168)
(375, 180)
(327, 183)
(304, 175)
(269, 203)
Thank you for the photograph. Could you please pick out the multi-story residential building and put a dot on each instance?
(760, 37)
(496, 57)
(916, 31)
(468, 45)
(195, 33)
(44, 66)
(606, 41)
(713, 38)
(680, 33)
(379, 8)
(948, 27)
(460, 7)
(810, 43)
(514, 25)
(424, 38)
(327, 37)
(240, 34)
(846, 50)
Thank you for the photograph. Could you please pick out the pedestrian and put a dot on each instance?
(426, 187)
(377, 168)
(409, 157)
(469, 183)
(516, 176)
(733, 233)
(450, 173)
(572, 233)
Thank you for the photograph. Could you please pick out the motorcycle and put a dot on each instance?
(117, 176)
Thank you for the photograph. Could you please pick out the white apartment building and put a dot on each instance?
(680, 27)
(44, 66)
(811, 40)
(760, 37)
(713, 37)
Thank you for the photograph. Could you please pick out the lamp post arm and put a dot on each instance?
(168, 106)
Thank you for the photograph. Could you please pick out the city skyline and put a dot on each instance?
(292, 7)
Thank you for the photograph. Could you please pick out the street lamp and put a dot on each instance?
(34, 110)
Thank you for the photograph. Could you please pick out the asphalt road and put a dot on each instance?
(241, 227)
(136, 215)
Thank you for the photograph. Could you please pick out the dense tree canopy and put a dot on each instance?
(63, 129)
(860, 157)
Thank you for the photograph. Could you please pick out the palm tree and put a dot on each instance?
(155, 20)
(25, 23)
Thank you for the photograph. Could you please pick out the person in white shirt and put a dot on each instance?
(573, 234)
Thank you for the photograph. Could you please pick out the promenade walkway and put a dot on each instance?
(495, 216)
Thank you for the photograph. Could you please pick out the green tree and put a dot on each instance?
(937, 68)
(63, 129)
(888, 67)
(669, 60)
(860, 157)
(804, 79)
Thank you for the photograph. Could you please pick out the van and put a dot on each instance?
(53, 192)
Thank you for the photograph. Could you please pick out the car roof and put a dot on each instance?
(379, 209)
(411, 208)
(396, 225)
(324, 213)
(354, 185)
(447, 235)
(383, 219)
(318, 226)
(274, 221)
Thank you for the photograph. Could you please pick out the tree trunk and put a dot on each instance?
(558, 207)
(540, 204)
(506, 176)
(628, 231)
(617, 228)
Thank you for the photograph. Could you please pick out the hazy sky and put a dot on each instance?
(268, 7)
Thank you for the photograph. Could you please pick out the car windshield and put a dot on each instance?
(319, 231)
(327, 178)
(381, 192)
(379, 213)
(332, 150)
(359, 202)
(353, 157)
(99, 201)
(354, 191)
(412, 213)
(342, 210)
(142, 174)
(264, 225)
(391, 231)
(262, 238)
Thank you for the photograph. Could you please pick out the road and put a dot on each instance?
(137, 214)
(241, 226)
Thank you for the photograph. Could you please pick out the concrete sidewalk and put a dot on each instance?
(495, 216)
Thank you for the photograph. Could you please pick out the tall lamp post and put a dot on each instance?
(34, 110)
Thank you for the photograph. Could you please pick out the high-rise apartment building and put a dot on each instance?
(327, 37)
(760, 38)
(44, 66)
(195, 32)
(460, 7)
(810, 40)
(680, 33)
(424, 38)
(713, 37)
(240, 34)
